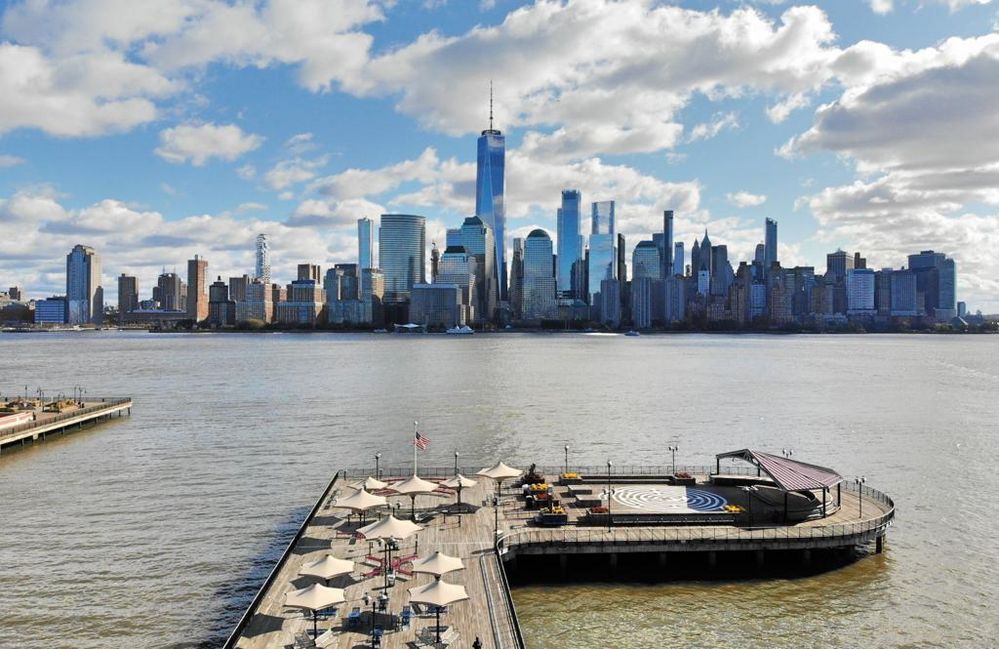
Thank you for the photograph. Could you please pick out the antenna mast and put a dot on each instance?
(490, 104)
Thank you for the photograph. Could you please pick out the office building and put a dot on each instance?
(51, 311)
(610, 302)
(539, 279)
(459, 268)
(310, 271)
(645, 261)
(666, 249)
(258, 305)
(770, 245)
(647, 294)
(477, 240)
(678, 258)
(263, 268)
(128, 293)
(837, 263)
(570, 241)
(436, 305)
(882, 291)
(84, 293)
(860, 291)
(675, 298)
(304, 303)
(489, 190)
(221, 310)
(170, 292)
(602, 262)
(904, 294)
(517, 279)
(372, 292)
(14, 293)
(936, 279)
(237, 288)
(365, 243)
(402, 245)
(197, 298)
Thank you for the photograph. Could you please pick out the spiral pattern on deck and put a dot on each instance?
(663, 499)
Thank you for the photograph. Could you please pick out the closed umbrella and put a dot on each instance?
(327, 568)
(459, 482)
(314, 598)
(438, 564)
(412, 486)
(438, 593)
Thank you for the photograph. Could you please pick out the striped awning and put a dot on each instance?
(789, 475)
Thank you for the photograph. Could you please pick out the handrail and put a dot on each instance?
(252, 608)
(105, 403)
(514, 621)
(590, 471)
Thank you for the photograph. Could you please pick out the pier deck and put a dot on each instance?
(489, 612)
(45, 423)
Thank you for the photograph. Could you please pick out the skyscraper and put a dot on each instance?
(570, 239)
(602, 217)
(837, 263)
(477, 240)
(84, 293)
(936, 279)
(539, 281)
(402, 253)
(170, 292)
(770, 245)
(602, 264)
(677, 258)
(645, 261)
(310, 271)
(517, 278)
(666, 251)
(489, 189)
(197, 300)
(128, 293)
(263, 270)
(365, 243)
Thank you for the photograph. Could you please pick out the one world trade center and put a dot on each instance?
(489, 183)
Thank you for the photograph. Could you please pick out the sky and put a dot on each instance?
(160, 129)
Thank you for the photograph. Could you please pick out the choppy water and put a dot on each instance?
(156, 530)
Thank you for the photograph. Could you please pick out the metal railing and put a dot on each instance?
(590, 471)
(105, 403)
(237, 632)
(861, 530)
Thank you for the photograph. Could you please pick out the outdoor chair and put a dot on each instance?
(354, 618)
(326, 640)
(407, 617)
(303, 641)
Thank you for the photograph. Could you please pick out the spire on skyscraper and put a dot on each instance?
(490, 104)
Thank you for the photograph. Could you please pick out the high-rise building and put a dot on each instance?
(904, 297)
(372, 292)
(678, 259)
(882, 291)
(621, 272)
(435, 260)
(539, 280)
(84, 293)
(221, 310)
(645, 261)
(837, 263)
(128, 293)
(197, 300)
(14, 293)
(51, 310)
(477, 240)
(610, 302)
(436, 305)
(170, 292)
(936, 279)
(263, 269)
(365, 243)
(258, 305)
(860, 291)
(489, 190)
(602, 217)
(602, 262)
(666, 250)
(237, 288)
(402, 252)
(310, 271)
(570, 240)
(304, 303)
(517, 278)
(770, 245)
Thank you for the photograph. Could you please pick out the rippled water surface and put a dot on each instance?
(156, 530)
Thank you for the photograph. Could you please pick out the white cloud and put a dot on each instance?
(326, 213)
(286, 173)
(301, 143)
(168, 189)
(7, 160)
(247, 172)
(708, 130)
(198, 143)
(881, 6)
(357, 183)
(780, 111)
(745, 199)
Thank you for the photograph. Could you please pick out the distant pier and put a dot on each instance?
(28, 420)
(561, 521)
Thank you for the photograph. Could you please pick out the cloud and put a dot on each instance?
(198, 143)
(290, 172)
(168, 189)
(708, 130)
(301, 143)
(7, 161)
(881, 6)
(745, 199)
(320, 213)
(358, 183)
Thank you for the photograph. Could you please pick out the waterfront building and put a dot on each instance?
(936, 279)
(860, 291)
(459, 268)
(678, 259)
(757, 299)
(489, 192)
(610, 302)
(645, 261)
(647, 295)
(304, 304)
(477, 240)
(128, 293)
(197, 299)
(278, 294)
(14, 293)
(259, 303)
(962, 309)
(237, 288)
(904, 294)
(882, 292)
(570, 241)
(402, 245)
(342, 283)
(365, 243)
(372, 291)
(52, 310)
(666, 251)
(170, 292)
(721, 270)
(263, 267)
(517, 279)
(770, 245)
(84, 293)
(539, 279)
(436, 305)
(675, 299)
(779, 295)
(221, 310)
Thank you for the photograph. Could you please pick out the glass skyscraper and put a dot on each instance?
(489, 186)
(365, 243)
(603, 261)
(570, 239)
(770, 245)
(84, 293)
(402, 253)
(539, 280)
(263, 269)
(645, 261)
(602, 218)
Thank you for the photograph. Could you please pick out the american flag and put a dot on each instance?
(421, 442)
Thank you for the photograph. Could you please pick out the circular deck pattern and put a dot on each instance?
(669, 499)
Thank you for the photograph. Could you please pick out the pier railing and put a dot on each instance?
(104, 403)
(589, 471)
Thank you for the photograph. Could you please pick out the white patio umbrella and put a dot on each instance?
(438, 564)
(412, 486)
(314, 598)
(361, 501)
(500, 471)
(438, 593)
(386, 529)
(372, 484)
(327, 568)
(459, 482)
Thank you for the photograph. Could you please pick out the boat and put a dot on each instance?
(632, 333)
(463, 330)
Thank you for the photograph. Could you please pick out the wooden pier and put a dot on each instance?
(45, 421)
(860, 516)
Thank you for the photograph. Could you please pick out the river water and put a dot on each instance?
(156, 530)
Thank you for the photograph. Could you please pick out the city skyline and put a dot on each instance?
(176, 163)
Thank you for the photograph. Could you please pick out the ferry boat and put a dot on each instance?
(463, 330)
(632, 333)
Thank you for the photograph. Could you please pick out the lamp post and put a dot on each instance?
(609, 494)
(378, 470)
(673, 450)
(860, 484)
(456, 462)
(495, 518)
(567, 458)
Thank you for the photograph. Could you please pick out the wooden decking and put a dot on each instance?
(45, 423)
(486, 614)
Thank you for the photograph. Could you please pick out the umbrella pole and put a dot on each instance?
(412, 507)
(315, 623)
(438, 625)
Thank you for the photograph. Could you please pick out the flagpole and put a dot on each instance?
(415, 433)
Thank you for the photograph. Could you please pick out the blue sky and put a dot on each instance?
(863, 124)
